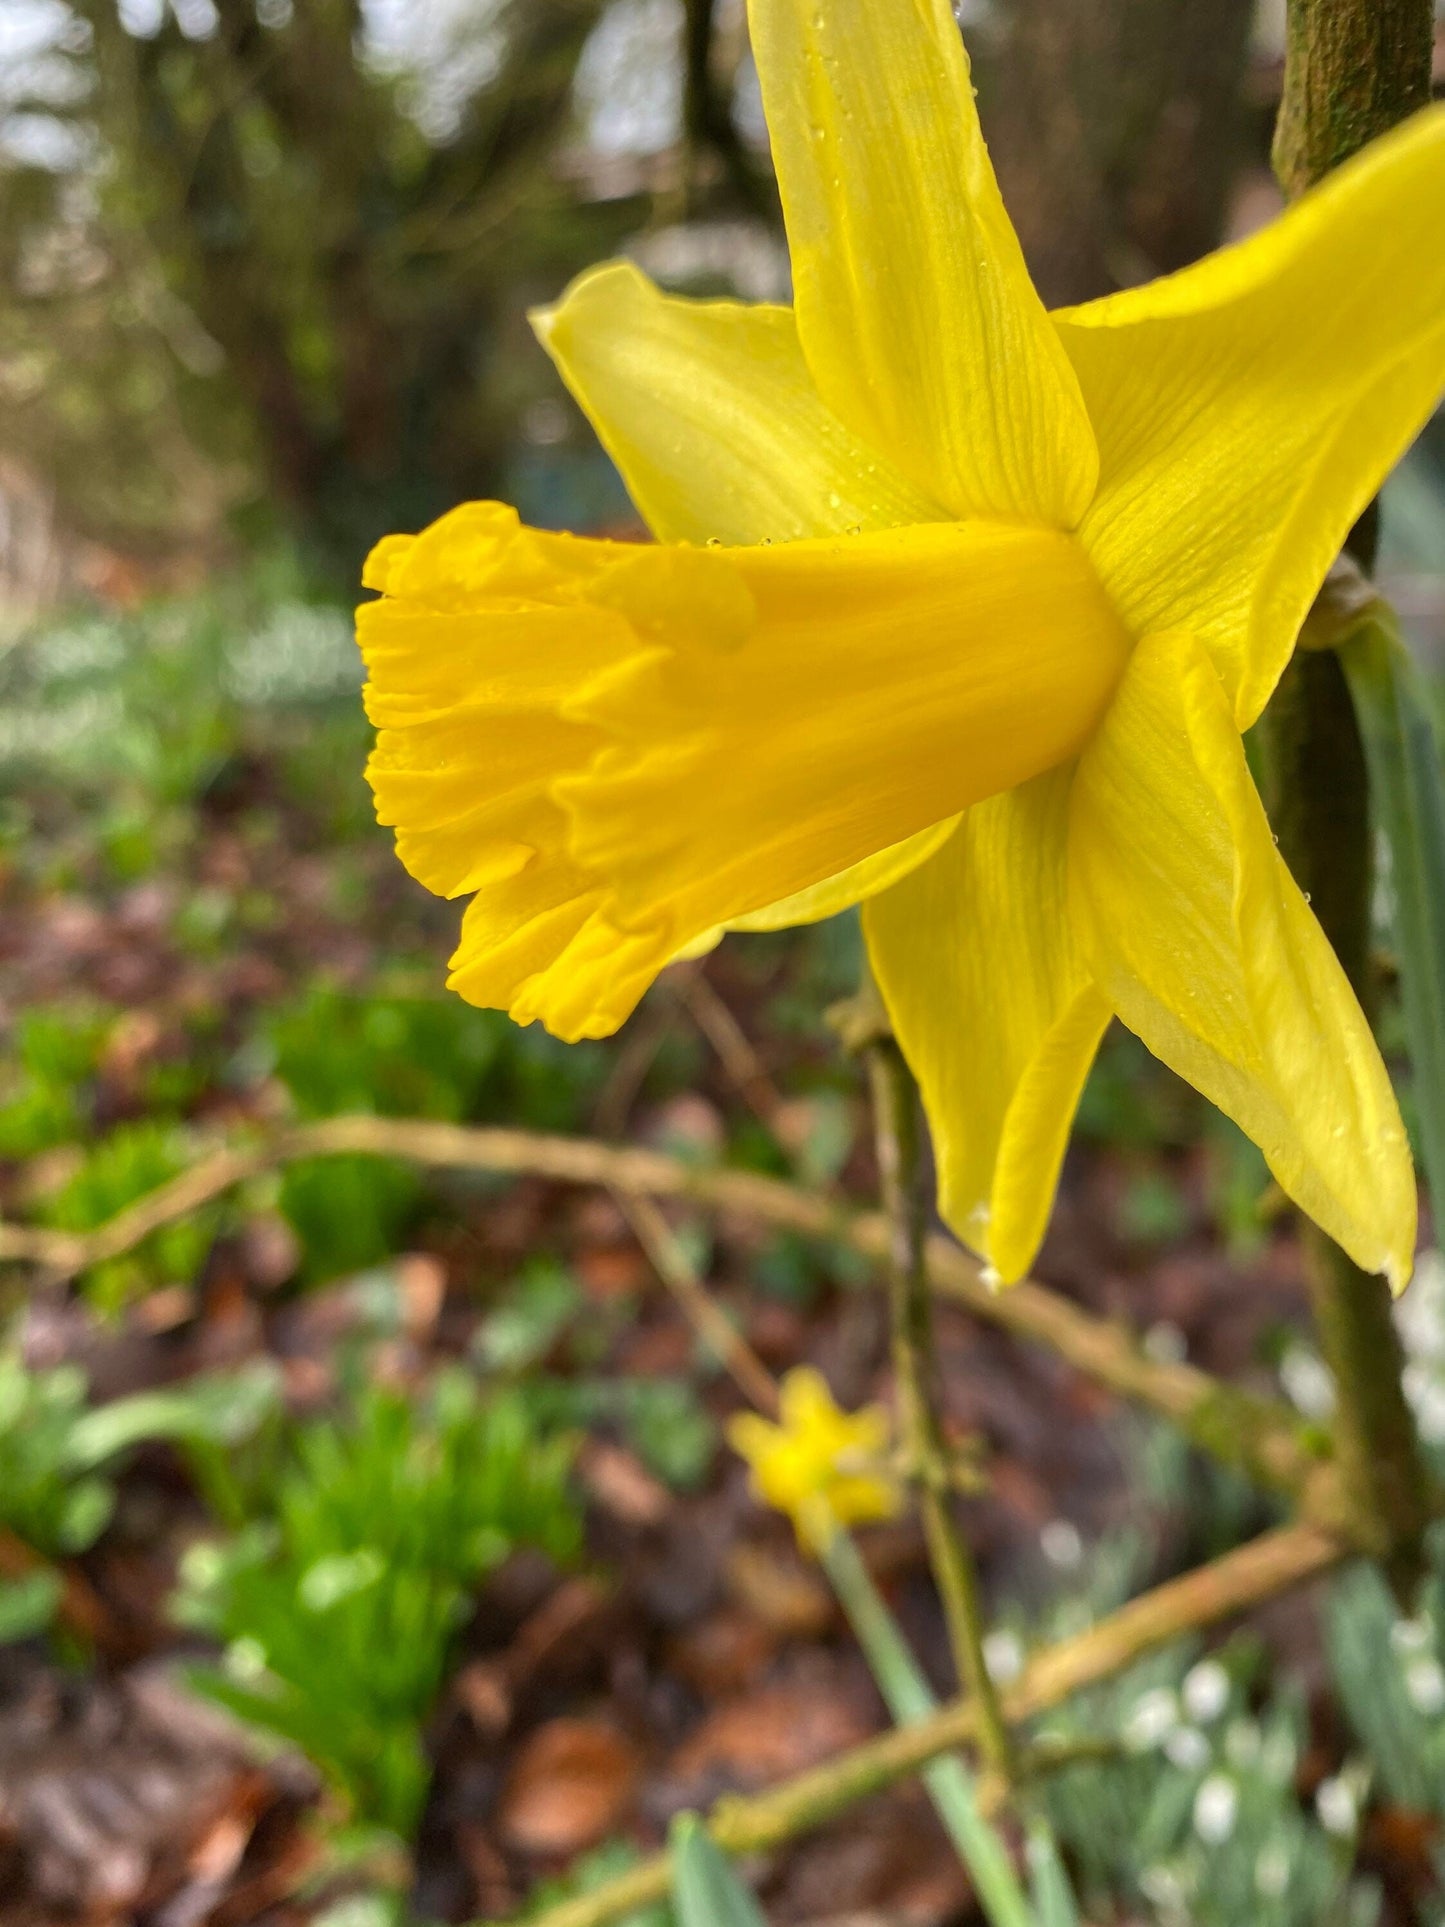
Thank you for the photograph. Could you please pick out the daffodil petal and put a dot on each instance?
(712, 418)
(854, 885)
(992, 1003)
(1249, 407)
(882, 683)
(711, 415)
(915, 310)
(447, 658)
(1202, 942)
(620, 747)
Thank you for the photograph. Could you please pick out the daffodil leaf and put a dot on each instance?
(909, 1697)
(1053, 1899)
(705, 1890)
(1407, 792)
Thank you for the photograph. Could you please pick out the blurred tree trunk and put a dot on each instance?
(1117, 128)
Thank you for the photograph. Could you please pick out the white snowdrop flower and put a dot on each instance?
(1003, 1655)
(1061, 1544)
(1187, 1748)
(1277, 1758)
(244, 1660)
(1152, 1716)
(1162, 1887)
(1216, 1808)
(1425, 1685)
(1241, 1743)
(1307, 1382)
(1206, 1691)
(1430, 1413)
(1165, 1343)
(202, 1565)
(1336, 1806)
(1271, 1870)
(1409, 1636)
(1420, 1314)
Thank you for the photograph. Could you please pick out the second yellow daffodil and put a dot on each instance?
(957, 609)
(824, 1467)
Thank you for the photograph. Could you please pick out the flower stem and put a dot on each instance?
(1352, 69)
(949, 1783)
(898, 1128)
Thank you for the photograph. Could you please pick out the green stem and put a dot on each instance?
(898, 1126)
(909, 1699)
(1353, 68)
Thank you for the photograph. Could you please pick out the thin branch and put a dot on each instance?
(1253, 1434)
(1255, 1572)
(708, 1320)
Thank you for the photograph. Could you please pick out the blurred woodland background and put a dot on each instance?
(421, 1474)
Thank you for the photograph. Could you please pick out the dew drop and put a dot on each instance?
(714, 541)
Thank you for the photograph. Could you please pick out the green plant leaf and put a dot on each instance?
(1049, 1890)
(908, 1697)
(28, 1605)
(705, 1890)
(1407, 794)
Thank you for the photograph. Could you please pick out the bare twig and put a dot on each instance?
(1252, 1434)
(735, 1049)
(1257, 1571)
(708, 1320)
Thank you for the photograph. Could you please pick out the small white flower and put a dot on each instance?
(1425, 1685)
(1336, 1806)
(1206, 1691)
(1412, 1636)
(1271, 1871)
(244, 1660)
(1187, 1748)
(1307, 1382)
(1061, 1544)
(1241, 1743)
(1216, 1808)
(336, 1576)
(1430, 1413)
(1277, 1758)
(1152, 1716)
(1165, 1343)
(1003, 1655)
(1420, 1314)
(1162, 1886)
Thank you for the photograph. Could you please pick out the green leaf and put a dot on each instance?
(28, 1605)
(705, 1890)
(1049, 1890)
(950, 1784)
(1407, 795)
(224, 1410)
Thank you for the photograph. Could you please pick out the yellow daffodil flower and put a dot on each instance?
(822, 1466)
(957, 609)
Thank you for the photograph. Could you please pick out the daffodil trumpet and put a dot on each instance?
(957, 609)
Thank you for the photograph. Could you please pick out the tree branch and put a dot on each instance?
(1252, 1434)
(1257, 1571)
